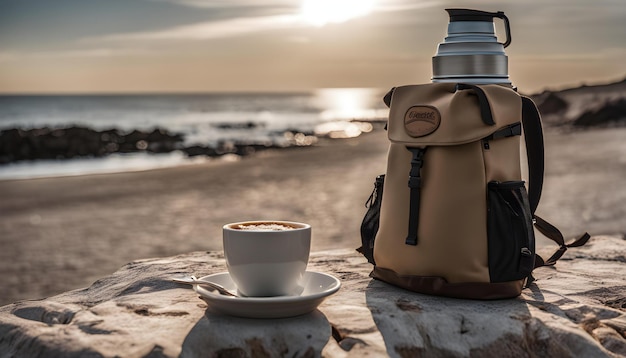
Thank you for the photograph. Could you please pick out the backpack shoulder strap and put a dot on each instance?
(533, 135)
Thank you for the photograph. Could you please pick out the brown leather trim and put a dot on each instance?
(440, 287)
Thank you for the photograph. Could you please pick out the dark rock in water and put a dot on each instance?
(226, 147)
(160, 141)
(8, 145)
(72, 142)
(243, 125)
(196, 150)
(612, 113)
(293, 131)
(551, 103)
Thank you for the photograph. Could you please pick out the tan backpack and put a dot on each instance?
(455, 218)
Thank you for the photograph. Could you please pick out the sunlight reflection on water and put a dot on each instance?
(349, 103)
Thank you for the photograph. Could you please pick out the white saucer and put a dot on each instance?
(317, 286)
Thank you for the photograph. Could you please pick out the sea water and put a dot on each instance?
(203, 119)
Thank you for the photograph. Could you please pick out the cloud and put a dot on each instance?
(9, 56)
(381, 5)
(240, 26)
(211, 29)
(231, 3)
(391, 5)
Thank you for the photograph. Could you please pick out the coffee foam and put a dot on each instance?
(264, 227)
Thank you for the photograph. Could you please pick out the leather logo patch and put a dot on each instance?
(421, 120)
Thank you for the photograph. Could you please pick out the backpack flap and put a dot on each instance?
(450, 113)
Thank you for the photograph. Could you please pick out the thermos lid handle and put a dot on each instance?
(477, 15)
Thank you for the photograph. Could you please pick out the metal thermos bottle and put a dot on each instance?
(471, 53)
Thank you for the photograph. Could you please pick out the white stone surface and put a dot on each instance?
(576, 309)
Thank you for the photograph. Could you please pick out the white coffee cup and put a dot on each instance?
(267, 257)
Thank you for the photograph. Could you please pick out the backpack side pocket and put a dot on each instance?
(371, 221)
(511, 240)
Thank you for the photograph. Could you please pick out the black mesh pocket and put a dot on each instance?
(369, 226)
(511, 240)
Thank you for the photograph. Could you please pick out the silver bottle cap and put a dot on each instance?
(471, 52)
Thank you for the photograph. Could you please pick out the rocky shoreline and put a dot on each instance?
(599, 106)
(81, 142)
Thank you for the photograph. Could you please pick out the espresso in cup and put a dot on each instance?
(263, 226)
(267, 258)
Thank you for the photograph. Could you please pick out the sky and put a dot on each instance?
(129, 46)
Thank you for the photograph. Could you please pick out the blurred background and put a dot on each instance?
(136, 128)
(90, 46)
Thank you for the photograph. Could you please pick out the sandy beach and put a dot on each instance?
(59, 234)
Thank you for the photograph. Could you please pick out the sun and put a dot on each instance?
(322, 12)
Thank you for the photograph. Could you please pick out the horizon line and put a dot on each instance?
(564, 87)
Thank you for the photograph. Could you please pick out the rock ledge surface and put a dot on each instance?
(576, 309)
